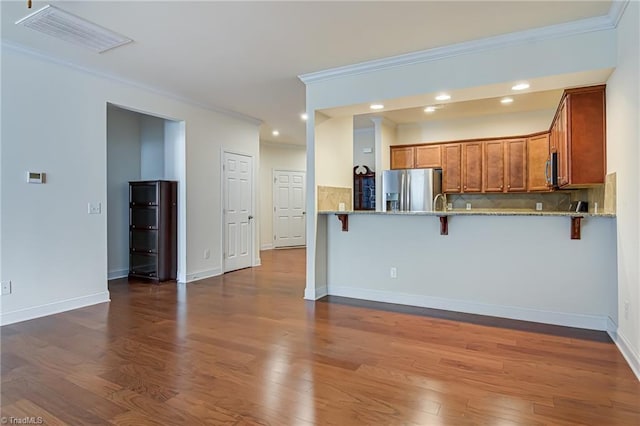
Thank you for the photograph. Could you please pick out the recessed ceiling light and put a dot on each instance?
(304, 116)
(520, 86)
(430, 109)
(506, 100)
(376, 106)
(275, 133)
(443, 97)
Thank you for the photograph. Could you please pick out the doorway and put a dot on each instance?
(289, 225)
(238, 220)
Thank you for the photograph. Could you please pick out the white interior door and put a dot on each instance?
(238, 229)
(289, 225)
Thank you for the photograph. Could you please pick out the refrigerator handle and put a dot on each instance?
(402, 189)
(408, 189)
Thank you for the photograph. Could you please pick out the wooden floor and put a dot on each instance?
(245, 349)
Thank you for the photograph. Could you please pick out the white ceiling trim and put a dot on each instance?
(598, 23)
(617, 10)
(37, 54)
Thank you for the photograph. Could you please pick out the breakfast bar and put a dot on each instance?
(512, 264)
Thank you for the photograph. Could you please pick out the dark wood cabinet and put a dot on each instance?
(153, 207)
(364, 188)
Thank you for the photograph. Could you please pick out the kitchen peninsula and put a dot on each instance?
(519, 265)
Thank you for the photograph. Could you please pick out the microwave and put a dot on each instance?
(551, 171)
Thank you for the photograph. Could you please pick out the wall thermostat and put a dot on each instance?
(35, 177)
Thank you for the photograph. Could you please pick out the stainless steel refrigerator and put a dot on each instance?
(410, 189)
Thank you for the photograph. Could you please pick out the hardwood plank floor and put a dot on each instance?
(245, 349)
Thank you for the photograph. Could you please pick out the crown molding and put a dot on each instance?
(598, 23)
(616, 11)
(131, 83)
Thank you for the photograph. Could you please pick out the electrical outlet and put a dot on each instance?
(449, 206)
(626, 307)
(468, 206)
(6, 287)
(393, 272)
(538, 206)
(94, 208)
(207, 254)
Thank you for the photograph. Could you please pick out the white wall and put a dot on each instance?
(486, 126)
(57, 124)
(334, 152)
(364, 138)
(123, 165)
(487, 265)
(623, 157)
(275, 157)
(152, 147)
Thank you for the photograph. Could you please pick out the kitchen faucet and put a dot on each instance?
(444, 201)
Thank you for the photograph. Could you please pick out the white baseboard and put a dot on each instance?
(591, 322)
(631, 356)
(119, 273)
(203, 274)
(315, 293)
(266, 246)
(53, 308)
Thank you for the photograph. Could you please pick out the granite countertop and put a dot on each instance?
(475, 212)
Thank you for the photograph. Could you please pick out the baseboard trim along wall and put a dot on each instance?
(632, 358)
(266, 246)
(53, 308)
(591, 322)
(120, 273)
(204, 274)
(315, 293)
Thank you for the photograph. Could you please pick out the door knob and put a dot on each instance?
(250, 217)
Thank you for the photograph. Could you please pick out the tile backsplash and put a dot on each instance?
(551, 201)
(330, 197)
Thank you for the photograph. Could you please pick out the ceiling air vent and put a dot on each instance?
(73, 29)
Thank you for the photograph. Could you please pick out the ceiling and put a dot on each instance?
(245, 56)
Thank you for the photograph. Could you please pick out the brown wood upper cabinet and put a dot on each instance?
(428, 156)
(493, 166)
(416, 157)
(472, 167)
(578, 135)
(451, 167)
(538, 165)
(402, 157)
(515, 172)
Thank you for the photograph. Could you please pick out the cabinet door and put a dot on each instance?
(538, 166)
(562, 144)
(402, 157)
(493, 164)
(516, 165)
(451, 171)
(586, 136)
(472, 167)
(428, 156)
